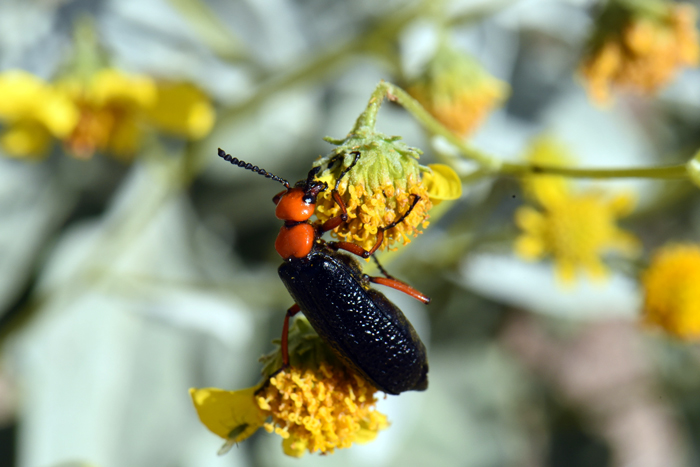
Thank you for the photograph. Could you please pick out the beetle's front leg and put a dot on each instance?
(284, 346)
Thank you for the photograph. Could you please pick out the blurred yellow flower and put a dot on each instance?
(576, 230)
(32, 112)
(671, 292)
(116, 108)
(321, 410)
(640, 50)
(108, 112)
(457, 91)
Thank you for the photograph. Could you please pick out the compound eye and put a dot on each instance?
(308, 199)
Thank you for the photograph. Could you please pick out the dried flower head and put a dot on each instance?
(316, 405)
(576, 230)
(639, 46)
(457, 91)
(671, 292)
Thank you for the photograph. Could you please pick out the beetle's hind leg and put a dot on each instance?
(400, 286)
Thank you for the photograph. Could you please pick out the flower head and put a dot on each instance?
(671, 292)
(116, 108)
(639, 48)
(317, 404)
(576, 230)
(457, 91)
(107, 111)
(378, 189)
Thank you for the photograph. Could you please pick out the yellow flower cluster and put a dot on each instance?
(672, 295)
(317, 404)
(640, 52)
(457, 91)
(321, 410)
(108, 112)
(368, 210)
(576, 229)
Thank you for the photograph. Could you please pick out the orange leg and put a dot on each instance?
(293, 310)
(401, 287)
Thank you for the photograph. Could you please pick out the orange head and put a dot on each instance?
(295, 206)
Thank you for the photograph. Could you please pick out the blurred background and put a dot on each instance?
(134, 264)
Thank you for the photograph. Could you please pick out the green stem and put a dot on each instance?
(495, 166)
(666, 173)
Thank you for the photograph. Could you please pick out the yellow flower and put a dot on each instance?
(316, 405)
(321, 409)
(116, 109)
(32, 112)
(379, 189)
(576, 230)
(546, 151)
(108, 112)
(111, 105)
(672, 295)
(640, 50)
(457, 91)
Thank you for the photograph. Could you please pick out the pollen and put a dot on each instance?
(640, 52)
(576, 230)
(370, 209)
(671, 293)
(320, 410)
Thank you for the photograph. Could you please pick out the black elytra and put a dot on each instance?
(363, 328)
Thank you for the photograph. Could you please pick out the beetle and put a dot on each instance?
(364, 329)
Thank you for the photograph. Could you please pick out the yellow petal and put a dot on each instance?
(24, 96)
(25, 138)
(529, 248)
(442, 183)
(529, 219)
(232, 415)
(184, 110)
(112, 86)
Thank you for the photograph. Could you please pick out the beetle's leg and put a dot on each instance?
(381, 268)
(284, 347)
(334, 222)
(400, 286)
(381, 230)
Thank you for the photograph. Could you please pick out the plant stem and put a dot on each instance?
(495, 166)
(667, 172)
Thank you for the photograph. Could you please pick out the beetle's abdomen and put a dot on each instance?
(366, 330)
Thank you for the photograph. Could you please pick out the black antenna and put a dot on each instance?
(254, 168)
